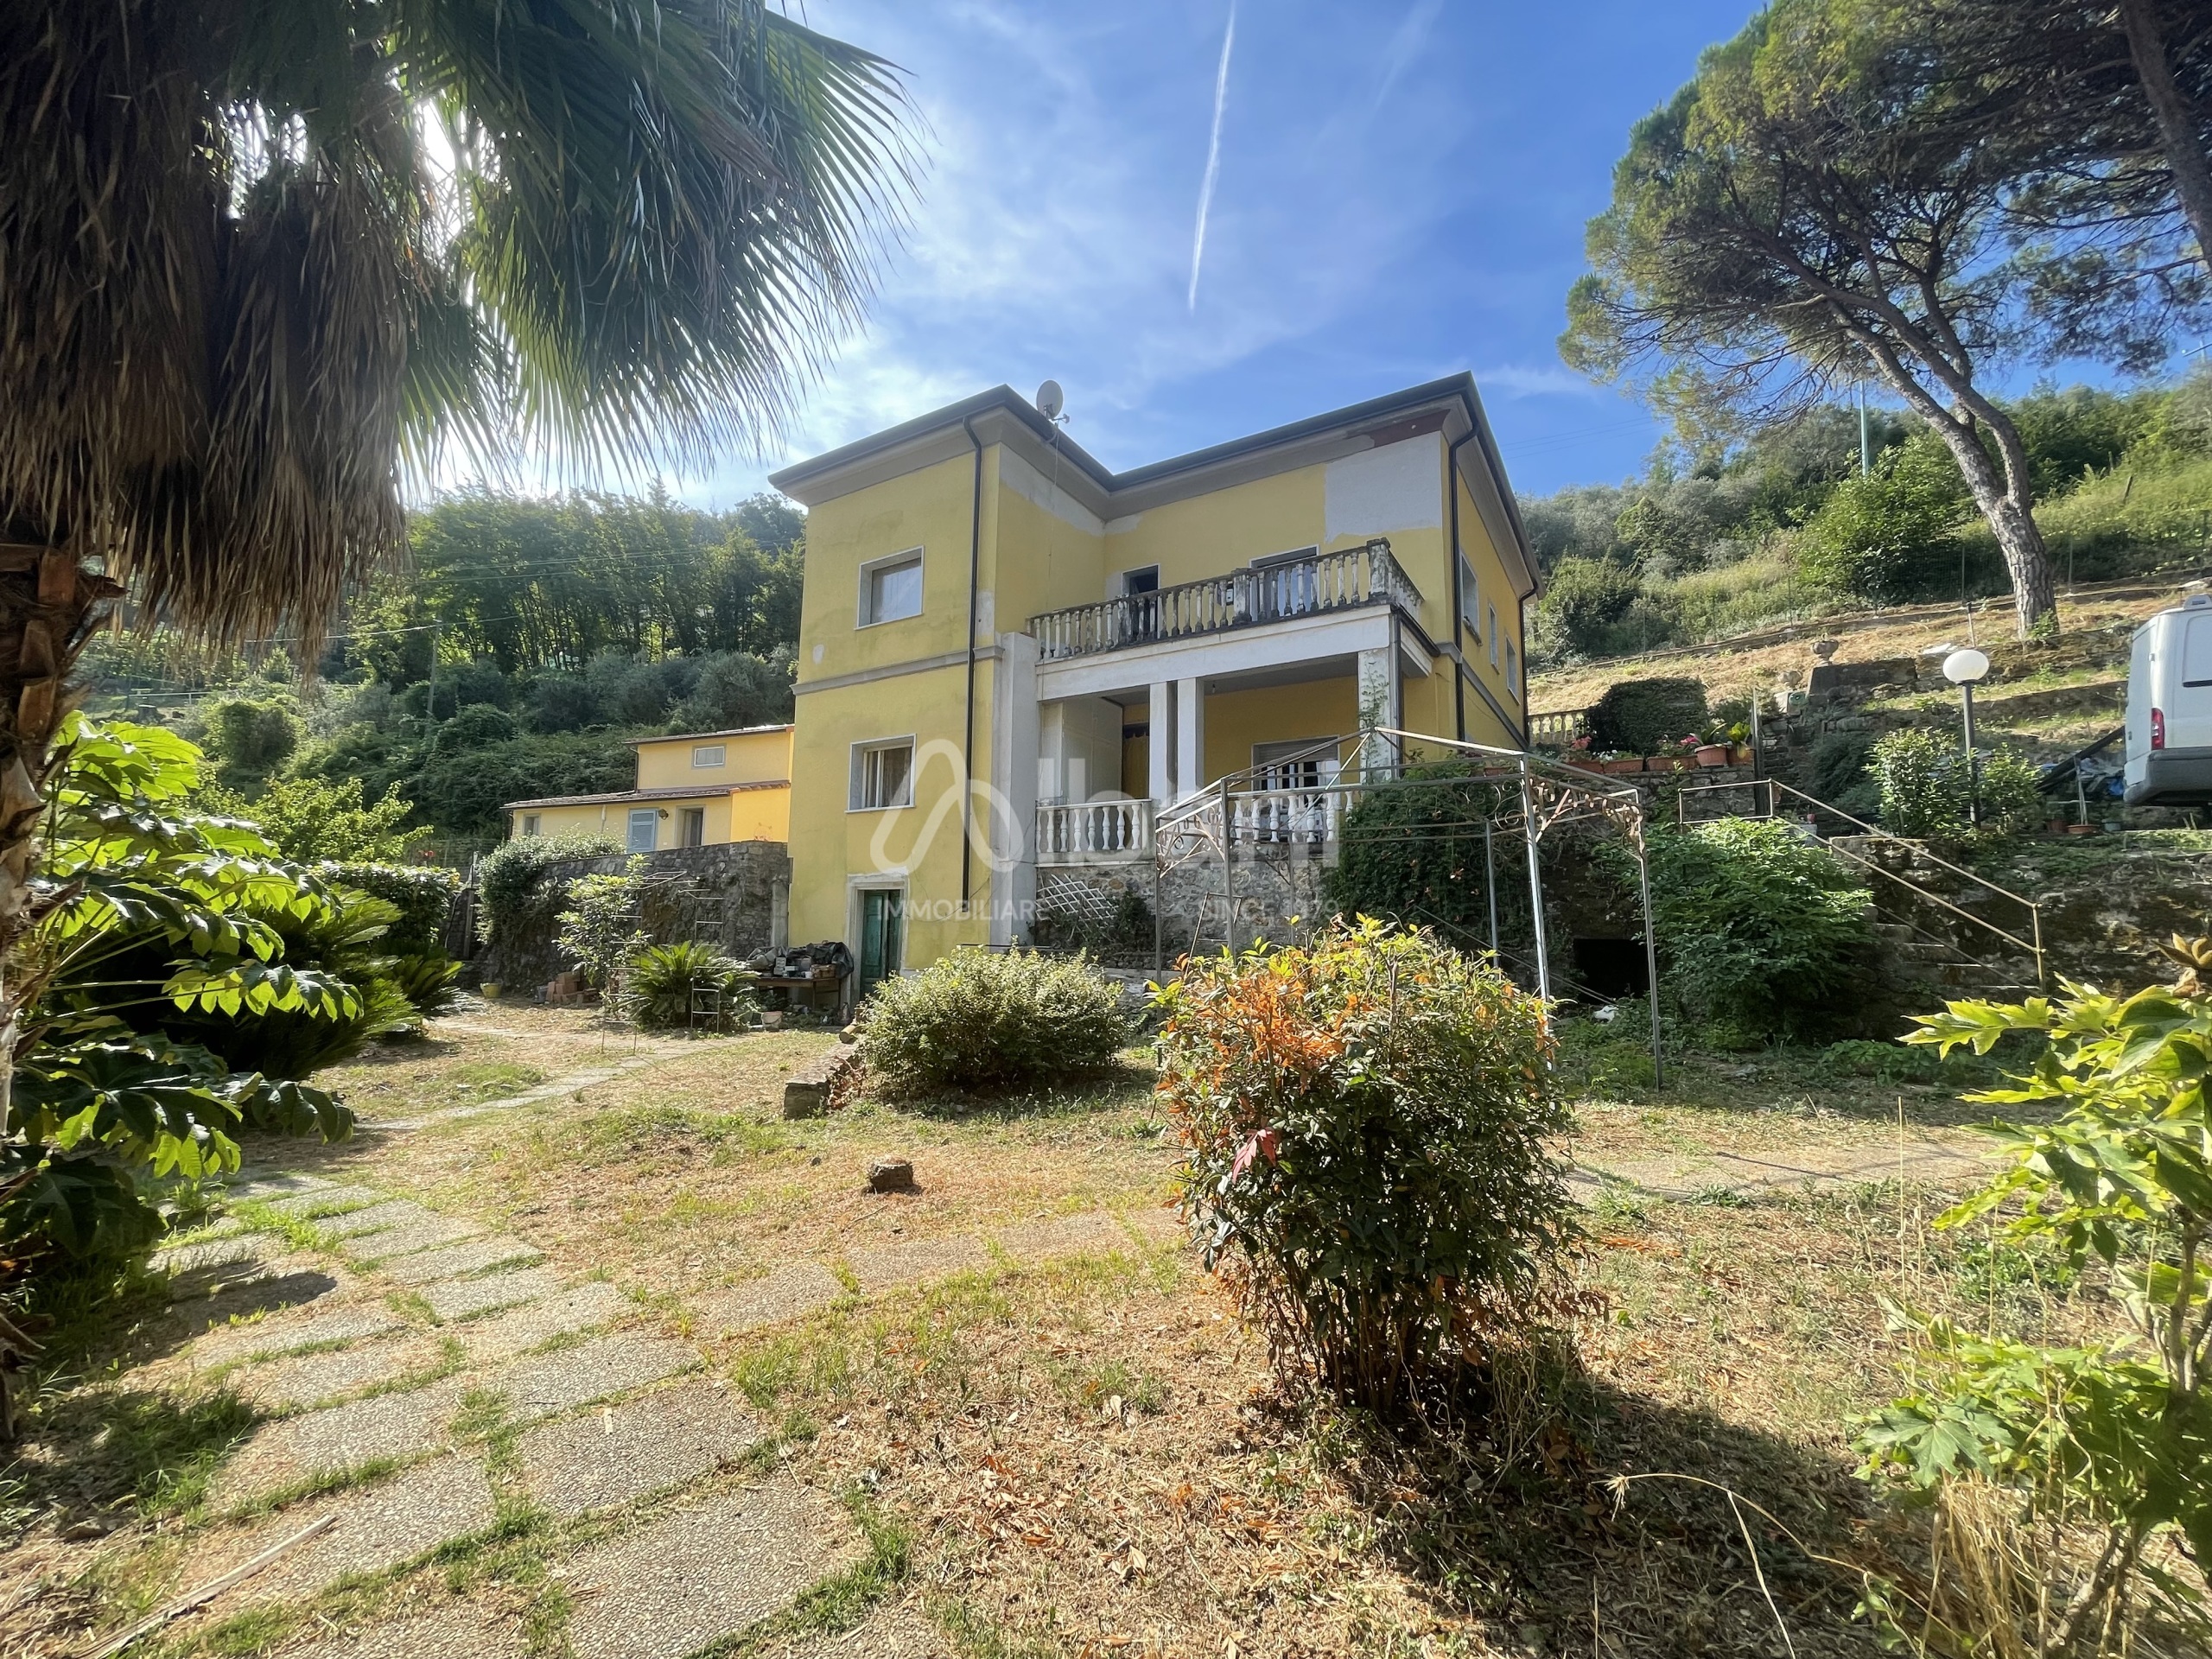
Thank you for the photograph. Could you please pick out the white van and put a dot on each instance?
(2170, 707)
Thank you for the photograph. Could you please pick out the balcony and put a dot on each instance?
(1313, 586)
(1094, 832)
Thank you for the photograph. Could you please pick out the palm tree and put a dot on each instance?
(259, 258)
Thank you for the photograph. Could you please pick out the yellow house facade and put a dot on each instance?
(1011, 656)
(695, 789)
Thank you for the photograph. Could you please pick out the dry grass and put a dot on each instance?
(1091, 1456)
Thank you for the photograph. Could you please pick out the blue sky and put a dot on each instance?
(1400, 193)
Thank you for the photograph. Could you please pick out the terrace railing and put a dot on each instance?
(1321, 582)
(1090, 832)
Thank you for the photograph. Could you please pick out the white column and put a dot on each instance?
(1160, 746)
(1190, 737)
(1378, 703)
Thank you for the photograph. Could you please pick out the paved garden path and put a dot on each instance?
(430, 1379)
(1813, 1166)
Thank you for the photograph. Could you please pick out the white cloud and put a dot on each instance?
(1540, 380)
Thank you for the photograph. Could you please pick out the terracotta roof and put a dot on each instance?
(640, 797)
(693, 737)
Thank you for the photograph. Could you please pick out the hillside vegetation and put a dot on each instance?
(528, 642)
(1783, 525)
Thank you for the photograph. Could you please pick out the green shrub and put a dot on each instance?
(1585, 603)
(1365, 1122)
(1879, 538)
(422, 893)
(601, 930)
(510, 878)
(1641, 716)
(662, 978)
(426, 981)
(1411, 851)
(985, 1019)
(318, 819)
(1759, 928)
(1928, 790)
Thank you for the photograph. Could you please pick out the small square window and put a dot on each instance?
(709, 754)
(529, 824)
(1145, 581)
(882, 775)
(891, 588)
(644, 830)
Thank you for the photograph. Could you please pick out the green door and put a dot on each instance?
(880, 941)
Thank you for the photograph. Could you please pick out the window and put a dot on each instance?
(2197, 651)
(529, 824)
(891, 588)
(1471, 599)
(882, 775)
(1146, 580)
(1512, 671)
(694, 827)
(644, 830)
(1490, 629)
(709, 754)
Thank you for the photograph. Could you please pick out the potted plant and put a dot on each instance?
(1615, 761)
(1709, 754)
(1739, 743)
(1678, 756)
(1578, 754)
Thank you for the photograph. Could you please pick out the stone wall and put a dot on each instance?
(733, 896)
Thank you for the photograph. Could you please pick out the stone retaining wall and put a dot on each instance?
(733, 895)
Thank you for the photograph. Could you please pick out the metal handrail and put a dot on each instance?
(1345, 580)
(2033, 944)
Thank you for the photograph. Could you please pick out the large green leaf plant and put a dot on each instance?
(2113, 1436)
(99, 1098)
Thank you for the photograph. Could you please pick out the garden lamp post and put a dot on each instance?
(1966, 669)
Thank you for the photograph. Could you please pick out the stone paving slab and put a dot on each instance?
(621, 1454)
(706, 1573)
(888, 1633)
(520, 1329)
(784, 1294)
(1080, 1235)
(376, 1218)
(339, 1438)
(281, 1333)
(388, 1244)
(458, 1632)
(285, 1295)
(458, 1260)
(284, 1184)
(591, 1371)
(885, 1266)
(378, 1527)
(333, 1200)
(231, 1250)
(309, 1379)
(464, 1299)
(1815, 1168)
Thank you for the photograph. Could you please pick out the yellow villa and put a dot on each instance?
(1013, 658)
(696, 789)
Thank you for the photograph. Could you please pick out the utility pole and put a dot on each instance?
(1865, 447)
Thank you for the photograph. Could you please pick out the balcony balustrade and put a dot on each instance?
(1312, 585)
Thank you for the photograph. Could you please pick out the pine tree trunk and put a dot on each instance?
(2002, 498)
(2192, 171)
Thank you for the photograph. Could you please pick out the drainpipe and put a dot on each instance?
(1452, 580)
(968, 727)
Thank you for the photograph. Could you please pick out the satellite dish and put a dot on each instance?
(1051, 400)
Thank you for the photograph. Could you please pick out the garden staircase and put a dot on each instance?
(1941, 926)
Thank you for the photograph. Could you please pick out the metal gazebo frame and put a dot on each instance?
(1225, 816)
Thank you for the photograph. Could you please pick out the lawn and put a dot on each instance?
(1085, 1452)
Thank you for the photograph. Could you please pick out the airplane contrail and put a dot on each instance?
(1213, 155)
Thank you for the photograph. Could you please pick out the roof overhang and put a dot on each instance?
(1001, 416)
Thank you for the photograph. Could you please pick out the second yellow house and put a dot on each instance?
(695, 789)
(1012, 658)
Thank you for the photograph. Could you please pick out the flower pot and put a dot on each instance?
(1668, 763)
(1712, 754)
(1635, 764)
(2081, 828)
(490, 989)
(1741, 754)
(1582, 763)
